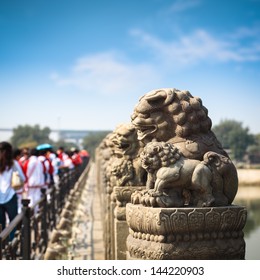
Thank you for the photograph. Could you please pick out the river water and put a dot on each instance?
(250, 197)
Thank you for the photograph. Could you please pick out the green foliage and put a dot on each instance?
(232, 135)
(92, 140)
(257, 139)
(253, 151)
(30, 136)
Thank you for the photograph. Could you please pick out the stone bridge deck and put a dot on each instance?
(87, 230)
(87, 241)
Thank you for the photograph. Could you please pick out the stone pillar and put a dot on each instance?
(122, 196)
(185, 233)
(111, 226)
(186, 210)
(107, 228)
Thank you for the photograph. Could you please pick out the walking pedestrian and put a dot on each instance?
(34, 171)
(17, 154)
(8, 197)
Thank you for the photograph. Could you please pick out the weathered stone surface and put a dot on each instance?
(175, 181)
(183, 209)
(186, 233)
(186, 164)
(121, 230)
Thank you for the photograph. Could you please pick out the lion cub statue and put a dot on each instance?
(176, 181)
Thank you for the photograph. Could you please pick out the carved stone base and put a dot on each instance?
(185, 233)
(122, 196)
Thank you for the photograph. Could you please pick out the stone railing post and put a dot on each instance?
(26, 230)
(111, 225)
(44, 225)
(121, 230)
(107, 223)
(186, 210)
(185, 233)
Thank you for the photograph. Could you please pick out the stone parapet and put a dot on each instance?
(122, 196)
(185, 210)
(186, 233)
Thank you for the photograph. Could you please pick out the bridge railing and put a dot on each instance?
(34, 224)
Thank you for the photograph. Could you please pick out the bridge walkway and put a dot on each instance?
(87, 230)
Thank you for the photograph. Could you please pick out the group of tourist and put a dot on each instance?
(38, 168)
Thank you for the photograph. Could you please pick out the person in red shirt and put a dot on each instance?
(75, 156)
(84, 154)
(43, 156)
(25, 153)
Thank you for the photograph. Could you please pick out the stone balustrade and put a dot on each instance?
(167, 186)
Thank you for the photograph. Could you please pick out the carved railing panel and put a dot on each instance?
(186, 233)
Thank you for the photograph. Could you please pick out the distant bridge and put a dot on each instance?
(67, 135)
(71, 134)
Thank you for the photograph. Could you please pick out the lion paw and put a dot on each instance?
(207, 202)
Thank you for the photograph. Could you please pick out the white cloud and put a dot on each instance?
(112, 74)
(107, 73)
(247, 32)
(180, 5)
(201, 46)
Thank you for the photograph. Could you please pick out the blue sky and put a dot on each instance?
(81, 64)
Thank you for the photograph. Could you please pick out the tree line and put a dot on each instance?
(234, 137)
(32, 136)
(238, 141)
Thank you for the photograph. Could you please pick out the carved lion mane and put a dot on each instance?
(160, 155)
(184, 113)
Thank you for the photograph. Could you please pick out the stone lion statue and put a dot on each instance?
(175, 116)
(125, 141)
(174, 180)
(122, 172)
(125, 167)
